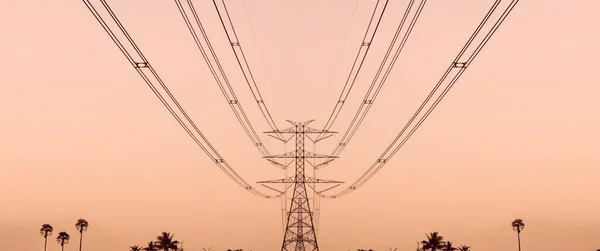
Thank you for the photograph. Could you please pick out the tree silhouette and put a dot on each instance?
(464, 248)
(419, 246)
(46, 231)
(165, 242)
(518, 226)
(62, 239)
(448, 247)
(151, 247)
(81, 226)
(434, 242)
(135, 248)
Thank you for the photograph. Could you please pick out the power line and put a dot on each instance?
(457, 67)
(220, 76)
(243, 63)
(340, 53)
(368, 100)
(374, 90)
(262, 57)
(357, 65)
(147, 72)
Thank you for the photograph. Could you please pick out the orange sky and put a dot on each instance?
(83, 136)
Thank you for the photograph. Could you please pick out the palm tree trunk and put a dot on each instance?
(45, 242)
(80, 239)
(63, 247)
(519, 238)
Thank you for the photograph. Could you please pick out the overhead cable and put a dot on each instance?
(236, 47)
(380, 79)
(143, 67)
(454, 71)
(359, 60)
(219, 73)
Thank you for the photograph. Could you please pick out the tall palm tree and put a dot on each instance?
(518, 226)
(81, 226)
(135, 248)
(165, 242)
(62, 239)
(151, 247)
(46, 231)
(448, 247)
(434, 242)
(464, 248)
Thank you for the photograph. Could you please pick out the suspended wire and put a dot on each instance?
(224, 84)
(262, 57)
(458, 66)
(356, 66)
(339, 57)
(316, 197)
(243, 63)
(315, 194)
(145, 70)
(374, 90)
(284, 195)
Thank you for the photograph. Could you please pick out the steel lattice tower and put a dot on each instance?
(299, 232)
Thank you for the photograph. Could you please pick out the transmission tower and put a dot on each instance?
(299, 232)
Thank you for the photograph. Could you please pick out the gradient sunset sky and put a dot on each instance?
(82, 136)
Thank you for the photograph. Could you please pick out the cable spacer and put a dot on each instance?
(141, 64)
(460, 65)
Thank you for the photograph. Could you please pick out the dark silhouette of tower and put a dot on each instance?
(299, 231)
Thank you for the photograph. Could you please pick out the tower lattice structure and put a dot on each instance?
(299, 232)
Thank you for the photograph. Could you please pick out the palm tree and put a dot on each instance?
(46, 231)
(434, 242)
(464, 248)
(419, 246)
(81, 226)
(448, 247)
(135, 248)
(209, 249)
(165, 242)
(151, 247)
(63, 238)
(518, 226)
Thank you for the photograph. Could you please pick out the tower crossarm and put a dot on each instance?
(307, 179)
(307, 155)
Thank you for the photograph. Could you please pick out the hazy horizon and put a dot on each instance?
(82, 136)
